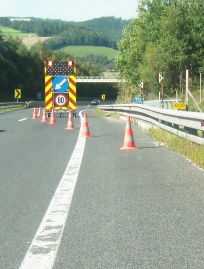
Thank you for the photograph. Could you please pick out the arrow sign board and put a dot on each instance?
(17, 93)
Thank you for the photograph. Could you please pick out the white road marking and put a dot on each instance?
(23, 119)
(43, 249)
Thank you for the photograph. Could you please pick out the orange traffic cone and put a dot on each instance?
(39, 112)
(84, 132)
(128, 140)
(70, 124)
(52, 117)
(44, 117)
(34, 114)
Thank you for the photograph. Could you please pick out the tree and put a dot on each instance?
(166, 37)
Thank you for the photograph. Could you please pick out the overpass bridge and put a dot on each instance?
(98, 79)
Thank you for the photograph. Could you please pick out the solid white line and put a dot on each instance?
(43, 249)
(23, 119)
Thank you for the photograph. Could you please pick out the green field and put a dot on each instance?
(10, 31)
(82, 51)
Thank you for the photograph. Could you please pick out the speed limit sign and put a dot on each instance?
(61, 99)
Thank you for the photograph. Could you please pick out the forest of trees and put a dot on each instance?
(104, 31)
(23, 69)
(168, 37)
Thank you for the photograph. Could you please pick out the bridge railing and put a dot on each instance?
(98, 79)
(186, 124)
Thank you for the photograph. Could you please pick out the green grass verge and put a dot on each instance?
(106, 114)
(188, 149)
(2, 110)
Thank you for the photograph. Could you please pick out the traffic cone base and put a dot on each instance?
(70, 125)
(84, 132)
(52, 118)
(128, 140)
(39, 112)
(34, 114)
(44, 117)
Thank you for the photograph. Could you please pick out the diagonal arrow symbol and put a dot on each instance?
(59, 85)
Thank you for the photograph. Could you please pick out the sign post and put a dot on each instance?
(161, 78)
(200, 87)
(187, 78)
(141, 86)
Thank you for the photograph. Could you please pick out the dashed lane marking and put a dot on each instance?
(23, 119)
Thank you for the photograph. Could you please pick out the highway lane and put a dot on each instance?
(33, 158)
(130, 209)
(133, 209)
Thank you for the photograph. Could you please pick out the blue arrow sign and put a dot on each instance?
(60, 84)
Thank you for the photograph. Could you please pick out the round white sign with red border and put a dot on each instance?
(61, 99)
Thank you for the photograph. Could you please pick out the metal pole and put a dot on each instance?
(162, 91)
(200, 87)
(187, 76)
(162, 94)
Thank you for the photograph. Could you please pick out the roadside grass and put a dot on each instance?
(106, 114)
(192, 151)
(9, 109)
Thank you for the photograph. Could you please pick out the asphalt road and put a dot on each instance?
(135, 209)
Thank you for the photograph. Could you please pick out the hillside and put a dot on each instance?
(110, 27)
(90, 42)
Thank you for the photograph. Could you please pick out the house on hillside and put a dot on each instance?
(20, 19)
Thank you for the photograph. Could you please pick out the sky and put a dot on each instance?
(70, 10)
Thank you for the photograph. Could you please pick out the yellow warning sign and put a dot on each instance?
(181, 106)
(17, 93)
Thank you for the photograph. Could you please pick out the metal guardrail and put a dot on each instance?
(31, 104)
(186, 124)
(9, 105)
